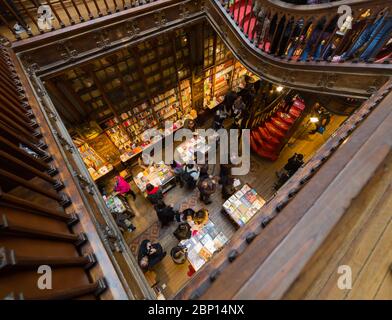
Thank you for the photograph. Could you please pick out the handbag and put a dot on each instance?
(321, 130)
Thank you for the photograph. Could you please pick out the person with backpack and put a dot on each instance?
(207, 187)
(178, 170)
(191, 175)
(154, 194)
(166, 214)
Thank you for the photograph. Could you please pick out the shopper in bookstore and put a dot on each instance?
(228, 188)
(154, 194)
(207, 187)
(123, 188)
(146, 160)
(123, 220)
(201, 217)
(150, 254)
(191, 175)
(220, 116)
(237, 112)
(178, 170)
(165, 213)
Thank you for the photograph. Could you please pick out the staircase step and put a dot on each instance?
(274, 131)
(285, 117)
(277, 122)
(267, 137)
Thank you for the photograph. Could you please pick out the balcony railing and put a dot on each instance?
(27, 18)
(315, 32)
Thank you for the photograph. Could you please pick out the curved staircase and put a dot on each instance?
(267, 139)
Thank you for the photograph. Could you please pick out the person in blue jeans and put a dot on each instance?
(374, 32)
(378, 41)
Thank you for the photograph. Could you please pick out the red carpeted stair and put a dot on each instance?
(267, 139)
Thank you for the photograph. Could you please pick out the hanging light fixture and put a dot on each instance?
(314, 119)
(279, 88)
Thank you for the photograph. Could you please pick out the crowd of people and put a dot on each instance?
(237, 105)
(367, 37)
(194, 175)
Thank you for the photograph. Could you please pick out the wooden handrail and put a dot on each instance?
(64, 13)
(305, 33)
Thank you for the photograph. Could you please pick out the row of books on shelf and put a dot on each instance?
(96, 165)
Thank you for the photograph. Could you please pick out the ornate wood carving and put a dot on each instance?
(357, 80)
(66, 51)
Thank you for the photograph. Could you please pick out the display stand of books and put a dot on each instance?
(158, 175)
(243, 205)
(202, 245)
(186, 150)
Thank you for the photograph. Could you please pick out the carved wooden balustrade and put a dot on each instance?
(45, 54)
(315, 33)
(45, 218)
(296, 45)
(31, 19)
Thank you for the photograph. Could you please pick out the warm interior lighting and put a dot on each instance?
(314, 119)
(279, 88)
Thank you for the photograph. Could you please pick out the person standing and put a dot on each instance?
(166, 214)
(191, 175)
(207, 187)
(123, 188)
(238, 108)
(178, 170)
(220, 116)
(154, 194)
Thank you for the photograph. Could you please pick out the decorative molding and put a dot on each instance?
(327, 80)
(184, 11)
(102, 39)
(131, 28)
(160, 19)
(67, 146)
(66, 51)
(84, 183)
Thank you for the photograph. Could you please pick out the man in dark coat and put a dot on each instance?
(150, 254)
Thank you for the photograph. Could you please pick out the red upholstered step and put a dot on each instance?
(294, 112)
(243, 14)
(262, 153)
(277, 122)
(285, 117)
(263, 145)
(257, 137)
(267, 137)
(274, 131)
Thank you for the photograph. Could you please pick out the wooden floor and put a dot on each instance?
(261, 176)
(362, 241)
